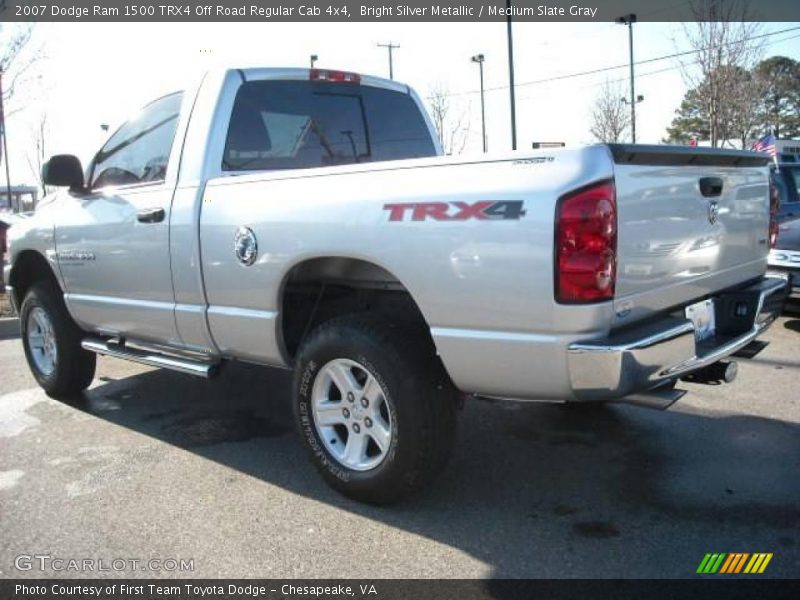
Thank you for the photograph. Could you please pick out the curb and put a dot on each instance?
(9, 327)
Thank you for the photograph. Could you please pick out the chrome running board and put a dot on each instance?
(197, 367)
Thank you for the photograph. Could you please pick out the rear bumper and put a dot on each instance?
(643, 357)
(792, 281)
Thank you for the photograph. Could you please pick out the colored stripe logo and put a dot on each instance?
(734, 562)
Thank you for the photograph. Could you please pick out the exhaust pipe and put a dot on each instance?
(723, 371)
(658, 399)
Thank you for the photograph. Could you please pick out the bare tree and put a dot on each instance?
(16, 56)
(611, 119)
(37, 158)
(721, 37)
(452, 126)
(744, 116)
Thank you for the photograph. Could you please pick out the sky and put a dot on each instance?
(100, 73)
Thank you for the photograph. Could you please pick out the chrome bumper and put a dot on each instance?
(786, 264)
(644, 357)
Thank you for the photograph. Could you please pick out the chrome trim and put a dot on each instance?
(642, 359)
(235, 311)
(245, 246)
(789, 259)
(152, 359)
(130, 303)
(477, 334)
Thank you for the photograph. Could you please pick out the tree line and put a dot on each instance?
(733, 105)
(733, 95)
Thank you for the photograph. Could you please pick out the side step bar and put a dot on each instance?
(198, 368)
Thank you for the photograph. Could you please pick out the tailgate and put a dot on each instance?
(692, 221)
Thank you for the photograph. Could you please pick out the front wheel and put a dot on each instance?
(52, 343)
(374, 407)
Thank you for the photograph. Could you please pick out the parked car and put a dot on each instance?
(786, 177)
(784, 259)
(7, 219)
(307, 220)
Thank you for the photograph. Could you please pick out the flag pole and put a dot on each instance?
(5, 144)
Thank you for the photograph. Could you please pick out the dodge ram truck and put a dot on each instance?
(306, 219)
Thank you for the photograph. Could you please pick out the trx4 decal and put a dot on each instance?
(485, 210)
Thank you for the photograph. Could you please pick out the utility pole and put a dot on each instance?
(629, 20)
(479, 58)
(5, 143)
(511, 76)
(390, 47)
(313, 58)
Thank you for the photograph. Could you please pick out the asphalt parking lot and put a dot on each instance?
(153, 464)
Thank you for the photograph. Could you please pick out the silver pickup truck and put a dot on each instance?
(306, 220)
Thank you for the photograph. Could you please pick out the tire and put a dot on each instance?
(72, 369)
(411, 400)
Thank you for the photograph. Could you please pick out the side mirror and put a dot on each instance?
(63, 170)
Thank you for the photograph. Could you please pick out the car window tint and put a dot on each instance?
(296, 125)
(139, 150)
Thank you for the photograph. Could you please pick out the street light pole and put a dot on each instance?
(5, 145)
(511, 76)
(629, 20)
(478, 58)
(390, 47)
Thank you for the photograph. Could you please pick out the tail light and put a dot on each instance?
(586, 245)
(333, 76)
(774, 205)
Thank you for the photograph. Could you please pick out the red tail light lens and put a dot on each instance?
(586, 245)
(333, 76)
(774, 205)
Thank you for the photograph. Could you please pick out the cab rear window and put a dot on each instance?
(303, 124)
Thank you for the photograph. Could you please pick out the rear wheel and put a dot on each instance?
(374, 407)
(52, 343)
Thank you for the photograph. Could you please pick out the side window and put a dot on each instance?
(139, 150)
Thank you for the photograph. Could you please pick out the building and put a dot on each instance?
(23, 198)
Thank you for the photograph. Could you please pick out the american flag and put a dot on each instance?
(765, 144)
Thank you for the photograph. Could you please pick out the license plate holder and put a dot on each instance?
(702, 315)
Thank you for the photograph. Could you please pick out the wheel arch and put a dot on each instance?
(30, 267)
(319, 288)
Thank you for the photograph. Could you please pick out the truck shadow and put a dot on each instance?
(528, 484)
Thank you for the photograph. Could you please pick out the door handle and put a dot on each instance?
(150, 215)
(711, 187)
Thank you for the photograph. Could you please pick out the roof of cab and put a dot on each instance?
(294, 74)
